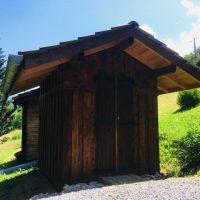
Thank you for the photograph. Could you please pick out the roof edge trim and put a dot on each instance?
(12, 69)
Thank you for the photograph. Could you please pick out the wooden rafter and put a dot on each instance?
(168, 54)
(48, 55)
(174, 82)
(162, 87)
(192, 77)
(165, 70)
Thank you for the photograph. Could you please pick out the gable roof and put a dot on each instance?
(37, 64)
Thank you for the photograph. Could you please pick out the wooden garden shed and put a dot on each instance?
(97, 105)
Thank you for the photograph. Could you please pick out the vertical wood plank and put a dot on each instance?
(76, 136)
(88, 135)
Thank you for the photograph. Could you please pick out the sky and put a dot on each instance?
(31, 24)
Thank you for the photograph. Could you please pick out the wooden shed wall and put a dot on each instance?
(68, 113)
(110, 63)
(51, 129)
(30, 130)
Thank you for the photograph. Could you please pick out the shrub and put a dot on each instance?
(188, 98)
(188, 151)
(17, 119)
(168, 161)
(4, 139)
(16, 135)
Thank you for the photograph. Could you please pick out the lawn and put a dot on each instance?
(173, 125)
(23, 183)
(11, 145)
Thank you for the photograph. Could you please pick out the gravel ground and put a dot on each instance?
(171, 188)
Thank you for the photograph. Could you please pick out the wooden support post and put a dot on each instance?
(116, 122)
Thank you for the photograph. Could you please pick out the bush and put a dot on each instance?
(17, 134)
(168, 161)
(188, 98)
(13, 122)
(188, 151)
(4, 139)
(17, 119)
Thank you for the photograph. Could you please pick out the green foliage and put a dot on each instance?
(2, 68)
(4, 139)
(188, 98)
(8, 181)
(168, 162)
(173, 126)
(16, 135)
(191, 57)
(9, 148)
(17, 119)
(8, 120)
(187, 150)
(19, 172)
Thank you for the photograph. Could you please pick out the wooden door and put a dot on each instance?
(105, 124)
(125, 124)
(114, 124)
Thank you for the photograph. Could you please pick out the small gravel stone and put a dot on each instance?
(150, 188)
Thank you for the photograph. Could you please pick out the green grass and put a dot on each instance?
(15, 179)
(9, 148)
(9, 145)
(173, 125)
(19, 172)
(176, 124)
(167, 104)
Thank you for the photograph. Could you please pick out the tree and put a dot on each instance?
(191, 57)
(6, 107)
(2, 68)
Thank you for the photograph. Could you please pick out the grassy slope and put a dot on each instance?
(9, 148)
(172, 123)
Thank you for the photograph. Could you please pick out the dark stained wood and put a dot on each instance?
(51, 54)
(164, 71)
(67, 136)
(124, 44)
(30, 127)
(51, 129)
(125, 124)
(88, 135)
(82, 156)
(105, 124)
(77, 117)
(24, 124)
(77, 136)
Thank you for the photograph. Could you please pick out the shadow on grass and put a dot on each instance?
(24, 186)
(9, 164)
(180, 110)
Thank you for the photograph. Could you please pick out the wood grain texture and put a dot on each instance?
(77, 119)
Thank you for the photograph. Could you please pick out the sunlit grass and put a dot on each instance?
(8, 148)
(173, 125)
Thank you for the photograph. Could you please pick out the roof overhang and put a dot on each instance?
(13, 69)
(154, 54)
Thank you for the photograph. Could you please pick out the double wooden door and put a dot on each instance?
(114, 124)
